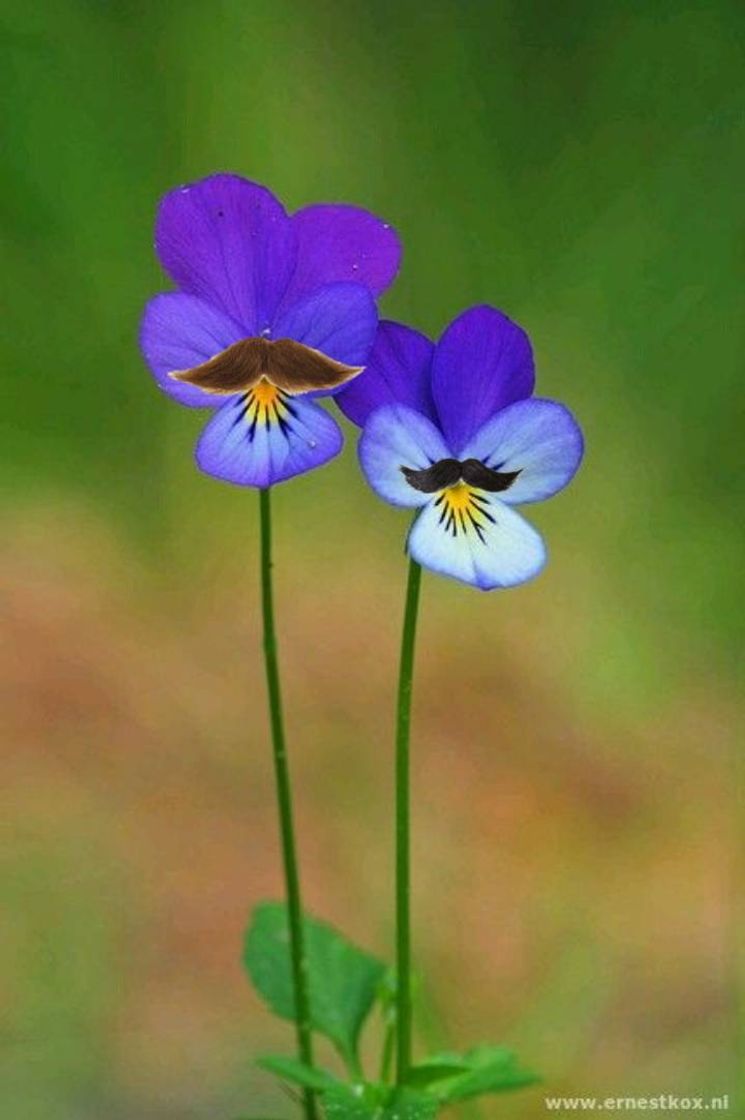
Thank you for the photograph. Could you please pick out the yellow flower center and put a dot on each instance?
(266, 405)
(464, 509)
(458, 497)
(264, 393)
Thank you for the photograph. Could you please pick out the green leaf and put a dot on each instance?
(366, 1102)
(292, 1070)
(409, 1105)
(440, 1067)
(485, 1069)
(343, 1103)
(343, 980)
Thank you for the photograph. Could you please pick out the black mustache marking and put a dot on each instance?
(437, 477)
(448, 472)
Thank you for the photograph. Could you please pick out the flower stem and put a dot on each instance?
(284, 805)
(403, 827)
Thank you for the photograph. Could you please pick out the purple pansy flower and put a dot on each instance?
(452, 429)
(272, 311)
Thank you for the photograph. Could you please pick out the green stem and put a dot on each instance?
(284, 805)
(403, 828)
(386, 1059)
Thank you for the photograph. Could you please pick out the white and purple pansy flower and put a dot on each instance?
(272, 311)
(453, 430)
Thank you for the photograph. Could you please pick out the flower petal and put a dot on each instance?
(540, 439)
(397, 372)
(179, 332)
(396, 437)
(482, 363)
(233, 449)
(230, 242)
(503, 552)
(338, 242)
(340, 320)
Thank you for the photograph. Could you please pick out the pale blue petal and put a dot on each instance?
(507, 550)
(540, 439)
(396, 437)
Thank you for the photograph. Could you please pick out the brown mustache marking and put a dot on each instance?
(289, 365)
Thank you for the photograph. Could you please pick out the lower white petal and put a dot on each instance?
(475, 538)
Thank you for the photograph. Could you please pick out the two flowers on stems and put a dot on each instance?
(272, 313)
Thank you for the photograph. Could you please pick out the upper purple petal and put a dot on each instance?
(338, 242)
(230, 242)
(179, 332)
(482, 363)
(397, 372)
(338, 319)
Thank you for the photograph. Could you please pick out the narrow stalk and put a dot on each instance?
(284, 805)
(386, 1058)
(403, 827)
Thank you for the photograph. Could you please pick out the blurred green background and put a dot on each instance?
(579, 165)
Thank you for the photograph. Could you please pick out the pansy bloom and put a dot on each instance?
(271, 311)
(453, 430)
